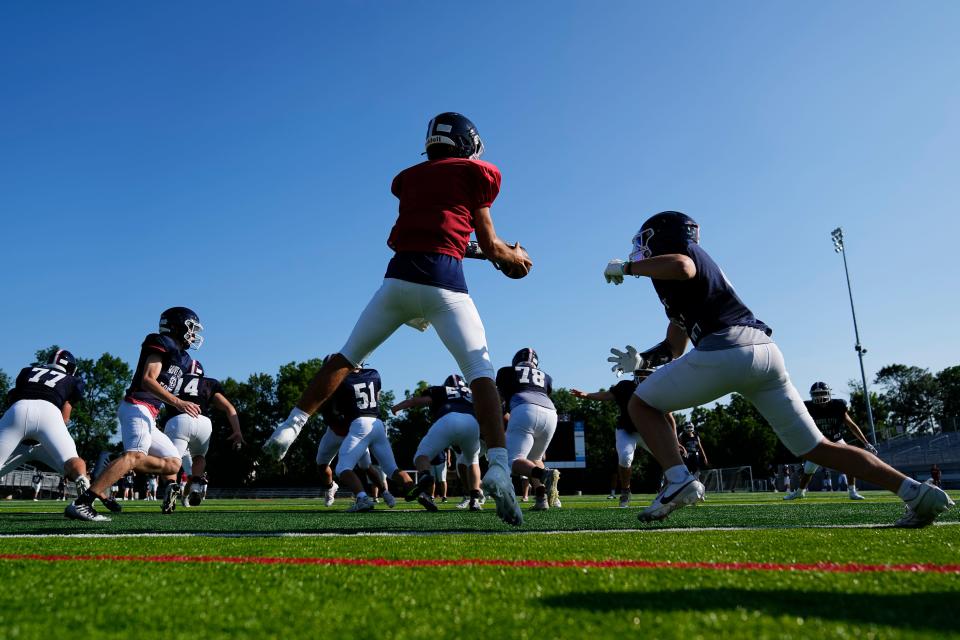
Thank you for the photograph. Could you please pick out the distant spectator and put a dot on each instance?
(827, 480)
(151, 493)
(842, 484)
(128, 483)
(37, 484)
(935, 476)
(62, 489)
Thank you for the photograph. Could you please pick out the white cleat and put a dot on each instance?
(551, 479)
(283, 437)
(625, 499)
(361, 505)
(86, 512)
(930, 502)
(463, 504)
(540, 504)
(673, 497)
(797, 494)
(556, 504)
(330, 494)
(390, 501)
(854, 495)
(498, 485)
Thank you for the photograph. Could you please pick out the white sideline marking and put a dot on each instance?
(401, 534)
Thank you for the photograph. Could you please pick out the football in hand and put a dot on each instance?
(518, 268)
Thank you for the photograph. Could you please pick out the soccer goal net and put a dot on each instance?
(731, 479)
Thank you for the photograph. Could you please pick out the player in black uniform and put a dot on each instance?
(158, 378)
(693, 453)
(831, 417)
(40, 404)
(191, 435)
(356, 402)
(454, 424)
(627, 437)
(732, 352)
(526, 390)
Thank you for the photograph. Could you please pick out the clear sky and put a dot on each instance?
(236, 157)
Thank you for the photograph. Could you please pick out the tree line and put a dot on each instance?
(905, 399)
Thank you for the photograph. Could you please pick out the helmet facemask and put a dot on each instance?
(820, 397)
(641, 245)
(192, 337)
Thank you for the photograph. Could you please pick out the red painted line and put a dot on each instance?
(828, 567)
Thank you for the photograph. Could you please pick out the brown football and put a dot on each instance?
(512, 269)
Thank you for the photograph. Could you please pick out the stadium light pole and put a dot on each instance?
(837, 235)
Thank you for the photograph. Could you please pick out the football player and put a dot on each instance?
(356, 404)
(158, 378)
(694, 455)
(526, 393)
(40, 403)
(831, 417)
(732, 353)
(442, 201)
(626, 436)
(338, 414)
(191, 435)
(454, 424)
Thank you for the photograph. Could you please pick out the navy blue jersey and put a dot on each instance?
(199, 390)
(43, 382)
(621, 395)
(174, 363)
(690, 442)
(444, 400)
(440, 458)
(829, 417)
(358, 395)
(525, 384)
(707, 302)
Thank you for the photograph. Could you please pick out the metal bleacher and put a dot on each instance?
(915, 455)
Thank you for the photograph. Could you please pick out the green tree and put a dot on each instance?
(948, 388)
(912, 395)
(736, 434)
(4, 388)
(878, 406)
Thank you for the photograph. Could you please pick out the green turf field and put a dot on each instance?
(253, 582)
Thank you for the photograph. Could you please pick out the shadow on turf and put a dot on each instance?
(926, 610)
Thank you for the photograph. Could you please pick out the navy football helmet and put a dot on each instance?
(455, 380)
(183, 325)
(688, 428)
(526, 356)
(454, 130)
(820, 393)
(63, 360)
(665, 232)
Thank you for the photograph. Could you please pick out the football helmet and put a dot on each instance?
(455, 380)
(63, 360)
(457, 131)
(820, 393)
(182, 324)
(665, 232)
(526, 355)
(688, 428)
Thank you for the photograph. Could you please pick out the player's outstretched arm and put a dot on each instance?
(409, 403)
(856, 431)
(220, 402)
(671, 266)
(495, 249)
(596, 395)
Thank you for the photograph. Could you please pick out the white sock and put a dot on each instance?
(362, 494)
(498, 456)
(908, 489)
(677, 474)
(297, 412)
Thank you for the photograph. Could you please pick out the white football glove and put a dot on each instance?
(614, 271)
(283, 437)
(628, 361)
(872, 449)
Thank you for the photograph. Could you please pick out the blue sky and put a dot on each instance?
(236, 157)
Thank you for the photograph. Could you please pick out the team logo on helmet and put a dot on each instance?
(665, 232)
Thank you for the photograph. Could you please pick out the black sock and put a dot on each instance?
(541, 492)
(538, 473)
(476, 494)
(87, 498)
